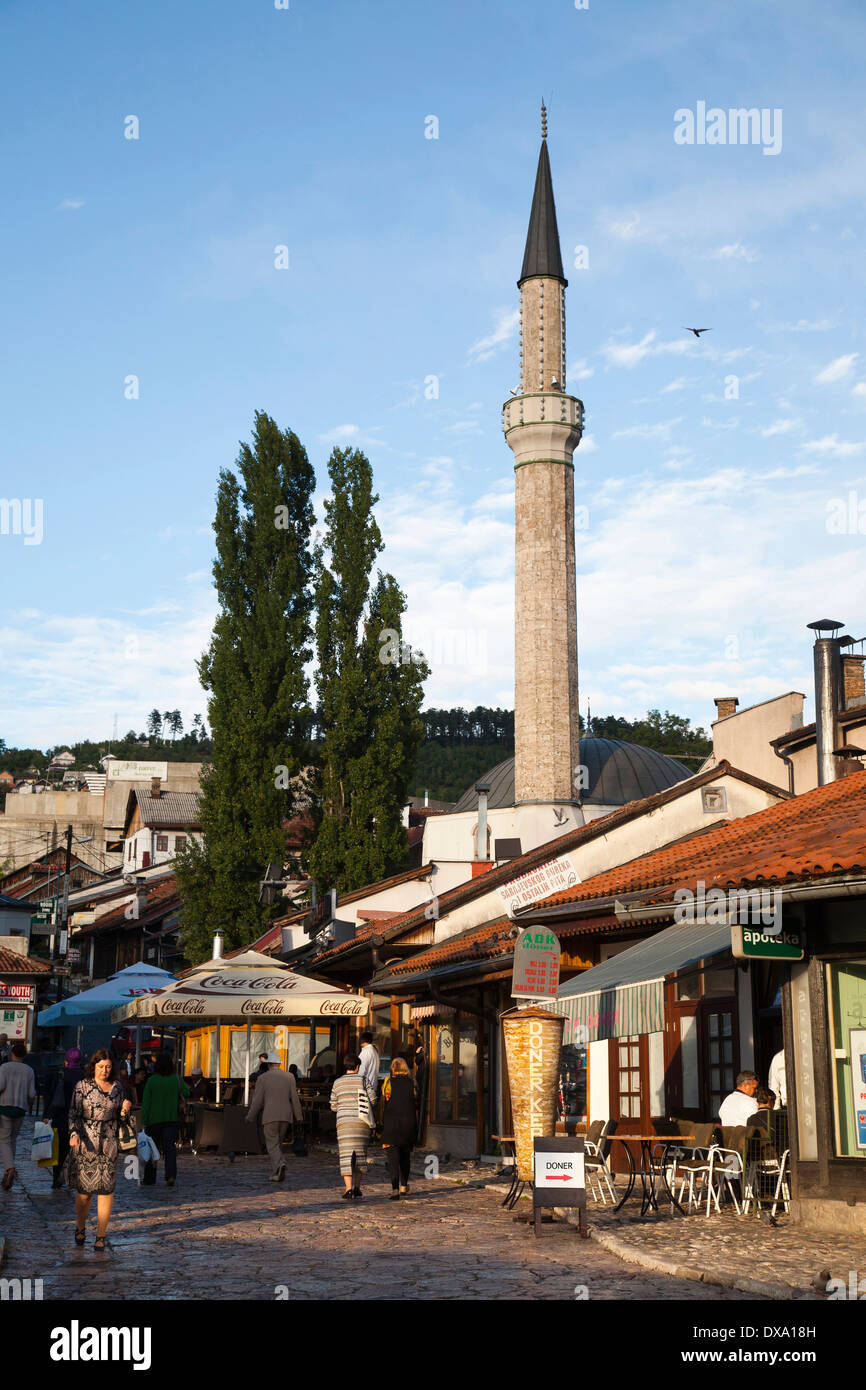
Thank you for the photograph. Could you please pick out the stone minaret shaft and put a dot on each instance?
(543, 427)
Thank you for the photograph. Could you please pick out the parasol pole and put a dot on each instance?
(218, 1037)
(137, 1040)
(247, 1072)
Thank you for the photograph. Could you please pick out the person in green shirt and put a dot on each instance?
(161, 1108)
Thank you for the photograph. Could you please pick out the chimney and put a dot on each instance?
(725, 705)
(156, 788)
(828, 690)
(217, 945)
(482, 789)
(853, 683)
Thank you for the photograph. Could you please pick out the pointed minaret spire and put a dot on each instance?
(542, 255)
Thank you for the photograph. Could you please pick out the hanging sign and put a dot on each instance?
(535, 973)
(749, 943)
(857, 1045)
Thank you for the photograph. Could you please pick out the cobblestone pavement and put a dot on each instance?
(738, 1247)
(226, 1232)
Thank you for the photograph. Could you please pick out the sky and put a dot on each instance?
(146, 318)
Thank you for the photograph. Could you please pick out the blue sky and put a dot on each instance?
(707, 548)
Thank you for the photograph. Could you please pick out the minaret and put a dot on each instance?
(543, 427)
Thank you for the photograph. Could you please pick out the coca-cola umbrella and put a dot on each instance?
(243, 989)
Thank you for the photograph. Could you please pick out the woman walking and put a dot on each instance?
(161, 1108)
(350, 1100)
(399, 1125)
(94, 1117)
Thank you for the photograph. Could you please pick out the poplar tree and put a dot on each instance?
(258, 706)
(370, 688)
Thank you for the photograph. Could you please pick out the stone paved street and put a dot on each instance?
(226, 1232)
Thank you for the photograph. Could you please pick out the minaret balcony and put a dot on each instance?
(543, 407)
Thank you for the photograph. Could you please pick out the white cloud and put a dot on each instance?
(660, 430)
(588, 445)
(580, 371)
(837, 369)
(352, 436)
(781, 427)
(632, 354)
(734, 251)
(679, 384)
(833, 445)
(484, 348)
(70, 205)
(627, 228)
(859, 389)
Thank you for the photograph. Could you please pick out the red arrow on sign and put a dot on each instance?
(558, 1177)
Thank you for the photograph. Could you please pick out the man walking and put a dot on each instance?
(276, 1098)
(17, 1093)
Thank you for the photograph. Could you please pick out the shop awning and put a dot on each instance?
(625, 995)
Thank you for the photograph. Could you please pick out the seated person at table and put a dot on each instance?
(765, 1100)
(199, 1088)
(739, 1107)
(263, 1065)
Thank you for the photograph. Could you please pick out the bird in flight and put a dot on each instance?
(697, 331)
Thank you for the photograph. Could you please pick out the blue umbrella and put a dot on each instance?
(95, 1005)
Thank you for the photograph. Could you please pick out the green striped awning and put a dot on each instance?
(625, 995)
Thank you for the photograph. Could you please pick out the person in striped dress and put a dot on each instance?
(351, 1102)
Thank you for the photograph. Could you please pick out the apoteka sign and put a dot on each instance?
(535, 973)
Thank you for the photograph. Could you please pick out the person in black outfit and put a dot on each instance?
(57, 1112)
(399, 1125)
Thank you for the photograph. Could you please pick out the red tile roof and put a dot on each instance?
(602, 825)
(815, 835)
(11, 963)
(160, 900)
(481, 943)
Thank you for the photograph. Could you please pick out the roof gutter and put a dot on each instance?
(407, 983)
(793, 892)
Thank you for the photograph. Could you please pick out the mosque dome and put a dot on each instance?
(617, 772)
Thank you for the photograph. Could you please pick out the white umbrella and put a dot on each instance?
(246, 987)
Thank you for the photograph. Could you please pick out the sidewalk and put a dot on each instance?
(726, 1250)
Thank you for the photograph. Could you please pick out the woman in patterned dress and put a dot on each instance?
(94, 1116)
(350, 1100)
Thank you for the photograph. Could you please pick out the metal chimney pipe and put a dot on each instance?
(828, 688)
(481, 833)
(217, 945)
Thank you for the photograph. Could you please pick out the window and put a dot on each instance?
(162, 844)
(847, 1004)
(455, 1070)
(180, 842)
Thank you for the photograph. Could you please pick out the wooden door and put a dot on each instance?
(629, 1092)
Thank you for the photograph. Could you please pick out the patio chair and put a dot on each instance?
(693, 1164)
(728, 1166)
(596, 1147)
(767, 1176)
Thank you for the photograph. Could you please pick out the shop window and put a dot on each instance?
(572, 1084)
(455, 1071)
(847, 1000)
(720, 1057)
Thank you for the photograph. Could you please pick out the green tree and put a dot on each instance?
(258, 691)
(154, 724)
(370, 691)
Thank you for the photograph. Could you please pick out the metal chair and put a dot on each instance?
(693, 1165)
(596, 1147)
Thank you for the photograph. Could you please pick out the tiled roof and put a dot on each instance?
(11, 963)
(160, 900)
(179, 809)
(815, 835)
(485, 883)
(481, 943)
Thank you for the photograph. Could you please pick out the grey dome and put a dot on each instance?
(617, 772)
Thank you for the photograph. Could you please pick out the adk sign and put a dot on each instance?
(535, 973)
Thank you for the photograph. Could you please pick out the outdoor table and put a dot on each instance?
(645, 1170)
(207, 1125)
